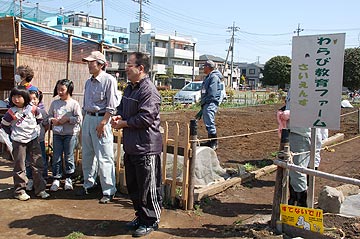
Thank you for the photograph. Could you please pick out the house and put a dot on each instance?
(52, 54)
(251, 72)
(170, 54)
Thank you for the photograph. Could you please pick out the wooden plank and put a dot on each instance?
(333, 139)
(165, 141)
(174, 171)
(222, 186)
(169, 181)
(185, 182)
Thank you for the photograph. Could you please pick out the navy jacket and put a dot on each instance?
(140, 107)
(211, 89)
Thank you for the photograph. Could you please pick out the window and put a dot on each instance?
(69, 30)
(252, 71)
(114, 40)
(123, 40)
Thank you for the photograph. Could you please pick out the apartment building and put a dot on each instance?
(169, 53)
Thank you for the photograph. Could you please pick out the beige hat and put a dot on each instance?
(95, 56)
(209, 63)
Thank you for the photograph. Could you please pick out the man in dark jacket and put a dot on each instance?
(210, 100)
(139, 117)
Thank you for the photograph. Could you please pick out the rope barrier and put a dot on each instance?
(234, 136)
(198, 141)
(349, 113)
(327, 147)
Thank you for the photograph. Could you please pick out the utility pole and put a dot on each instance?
(140, 29)
(103, 20)
(193, 66)
(233, 29)
(298, 30)
(21, 9)
(37, 12)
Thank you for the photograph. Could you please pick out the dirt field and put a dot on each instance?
(242, 211)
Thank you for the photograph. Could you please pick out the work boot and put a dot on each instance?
(302, 198)
(213, 142)
(292, 198)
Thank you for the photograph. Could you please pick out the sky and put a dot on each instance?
(264, 28)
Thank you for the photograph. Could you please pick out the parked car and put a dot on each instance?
(191, 93)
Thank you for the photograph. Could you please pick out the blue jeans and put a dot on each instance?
(209, 111)
(63, 147)
(44, 159)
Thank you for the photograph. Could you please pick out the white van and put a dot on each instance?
(191, 93)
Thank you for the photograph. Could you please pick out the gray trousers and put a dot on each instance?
(299, 144)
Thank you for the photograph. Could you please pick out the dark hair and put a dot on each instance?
(69, 85)
(38, 94)
(22, 91)
(142, 59)
(26, 72)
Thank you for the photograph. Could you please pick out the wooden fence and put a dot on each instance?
(175, 190)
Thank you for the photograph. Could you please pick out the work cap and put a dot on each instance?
(209, 63)
(95, 56)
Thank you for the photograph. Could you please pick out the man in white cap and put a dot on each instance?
(100, 102)
(210, 100)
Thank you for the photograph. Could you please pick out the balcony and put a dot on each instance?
(184, 70)
(160, 52)
(159, 69)
(182, 54)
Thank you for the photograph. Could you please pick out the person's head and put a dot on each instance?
(20, 97)
(209, 66)
(35, 92)
(24, 74)
(64, 89)
(96, 62)
(137, 66)
(34, 97)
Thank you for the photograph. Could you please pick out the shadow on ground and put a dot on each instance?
(66, 225)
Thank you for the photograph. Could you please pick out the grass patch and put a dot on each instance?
(75, 235)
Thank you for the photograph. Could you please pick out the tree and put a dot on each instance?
(277, 71)
(352, 68)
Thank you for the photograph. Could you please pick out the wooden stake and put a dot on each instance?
(278, 182)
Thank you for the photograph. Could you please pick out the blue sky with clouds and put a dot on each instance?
(266, 27)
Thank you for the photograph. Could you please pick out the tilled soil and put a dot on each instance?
(241, 211)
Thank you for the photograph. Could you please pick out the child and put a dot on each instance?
(36, 99)
(21, 122)
(66, 116)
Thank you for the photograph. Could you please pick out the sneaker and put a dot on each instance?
(30, 185)
(144, 230)
(22, 197)
(68, 184)
(106, 198)
(43, 194)
(134, 224)
(55, 185)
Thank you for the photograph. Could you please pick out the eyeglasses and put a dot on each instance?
(129, 65)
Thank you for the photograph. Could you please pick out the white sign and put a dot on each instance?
(316, 80)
